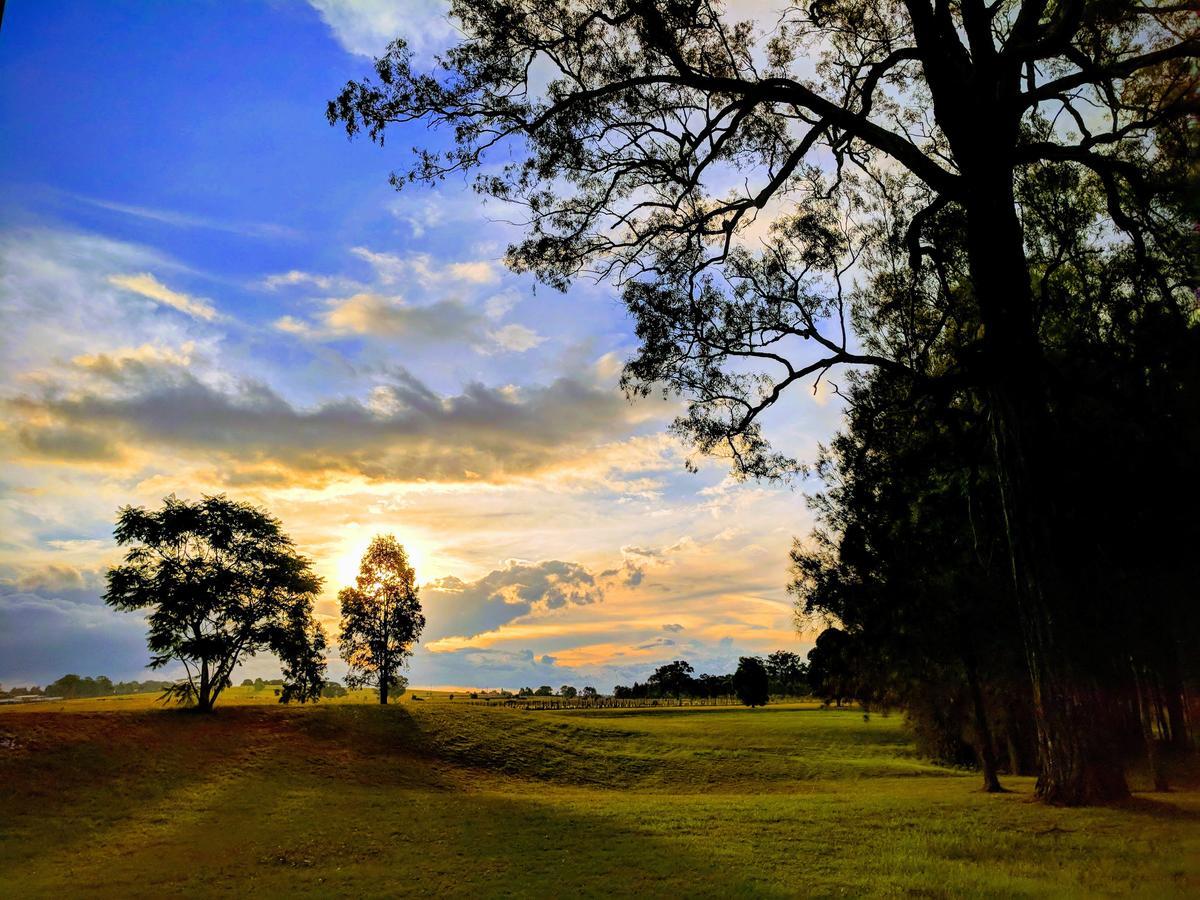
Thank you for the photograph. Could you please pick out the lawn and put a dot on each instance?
(120, 797)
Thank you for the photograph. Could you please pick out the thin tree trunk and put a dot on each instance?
(983, 732)
(204, 702)
(1145, 702)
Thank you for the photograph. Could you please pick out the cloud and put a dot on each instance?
(295, 277)
(392, 268)
(185, 220)
(456, 608)
(57, 301)
(402, 430)
(376, 308)
(516, 338)
(673, 628)
(146, 285)
(44, 636)
(480, 667)
(656, 643)
(366, 27)
(378, 315)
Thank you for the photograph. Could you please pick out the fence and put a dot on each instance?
(615, 702)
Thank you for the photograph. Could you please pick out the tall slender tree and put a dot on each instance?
(381, 617)
(732, 186)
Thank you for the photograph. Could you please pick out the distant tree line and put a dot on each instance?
(782, 673)
(70, 687)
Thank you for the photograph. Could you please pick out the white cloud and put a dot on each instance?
(392, 268)
(146, 285)
(496, 306)
(366, 27)
(516, 338)
(295, 276)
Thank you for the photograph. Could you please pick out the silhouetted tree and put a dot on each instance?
(589, 692)
(381, 617)
(833, 668)
(672, 680)
(544, 691)
(788, 672)
(221, 581)
(568, 691)
(858, 128)
(751, 683)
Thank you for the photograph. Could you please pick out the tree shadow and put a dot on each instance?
(1158, 807)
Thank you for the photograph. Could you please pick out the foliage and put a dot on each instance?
(221, 581)
(854, 191)
(788, 673)
(381, 617)
(751, 682)
(672, 680)
(332, 690)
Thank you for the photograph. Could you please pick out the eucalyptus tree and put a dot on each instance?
(381, 618)
(221, 582)
(744, 190)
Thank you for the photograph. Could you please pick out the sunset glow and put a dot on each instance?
(180, 318)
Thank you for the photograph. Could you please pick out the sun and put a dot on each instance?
(349, 557)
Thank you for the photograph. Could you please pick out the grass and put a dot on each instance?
(117, 797)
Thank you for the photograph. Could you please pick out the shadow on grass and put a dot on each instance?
(1158, 807)
(340, 800)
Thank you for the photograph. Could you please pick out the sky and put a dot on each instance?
(204, 288)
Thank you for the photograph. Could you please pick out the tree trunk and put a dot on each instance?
(204, 700)
(1146, 703)
(983, 732)
(383, 691)
(1077, 763)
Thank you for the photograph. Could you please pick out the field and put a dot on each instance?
(120, 797)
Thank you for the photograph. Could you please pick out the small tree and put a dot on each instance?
(750, 681)
(333, 690)
(544, 691)
(589, 692)
(381, 617)
(221, 581)
(568, 692)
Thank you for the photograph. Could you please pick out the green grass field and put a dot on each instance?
(120, 797)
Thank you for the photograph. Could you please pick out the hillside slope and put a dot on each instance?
(445, 798)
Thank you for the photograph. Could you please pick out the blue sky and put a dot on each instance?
(206, 288)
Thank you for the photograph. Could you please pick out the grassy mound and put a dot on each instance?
(119, 798)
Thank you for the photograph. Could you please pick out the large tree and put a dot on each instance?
(221, 582)
(735, 187)
(381, 617)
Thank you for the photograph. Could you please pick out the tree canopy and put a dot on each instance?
(849, 191)
(221, 582)
(381, 617)
(750, 682)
